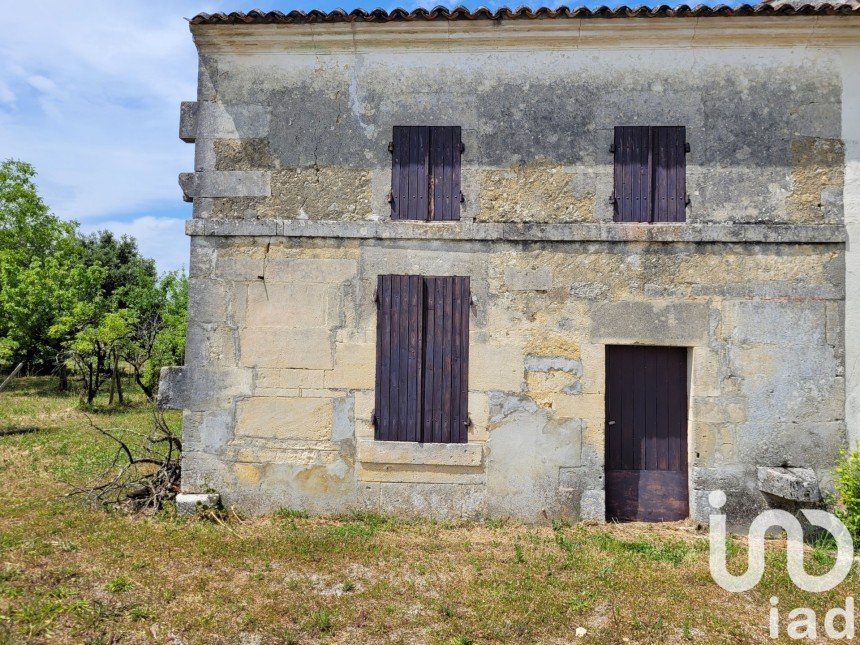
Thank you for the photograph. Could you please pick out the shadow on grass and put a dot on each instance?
(13, 430)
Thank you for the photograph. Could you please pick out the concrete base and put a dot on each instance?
(191, 503)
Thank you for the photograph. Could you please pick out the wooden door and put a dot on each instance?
(646, 433)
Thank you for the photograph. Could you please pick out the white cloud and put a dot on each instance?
(160, 238)
(90, 93)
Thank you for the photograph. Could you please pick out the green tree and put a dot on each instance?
(126, 270)
(157, 335)
(90, 303)
(40, 270)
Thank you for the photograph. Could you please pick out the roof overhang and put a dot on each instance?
(759, 30)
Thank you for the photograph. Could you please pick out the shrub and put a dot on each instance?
(847, 485)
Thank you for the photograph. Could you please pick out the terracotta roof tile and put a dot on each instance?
(768, 8)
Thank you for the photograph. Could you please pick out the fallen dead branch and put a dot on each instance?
(141, 475)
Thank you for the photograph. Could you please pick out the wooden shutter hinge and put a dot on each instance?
(687, 200)
(686, 147)
(468, 422)
(612, 148)
(376, 296)
(462, 147)
(462, 197)
(613, 199)
(391, 147)
(390, 197)
(373, 417)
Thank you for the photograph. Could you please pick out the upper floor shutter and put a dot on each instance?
(425, 172)
(445, 146)
(650, 174)
(669, 159)
(409, 172)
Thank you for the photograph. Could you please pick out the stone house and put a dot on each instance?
(527, 264)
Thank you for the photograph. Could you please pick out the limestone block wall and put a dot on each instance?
(291, 229)
(288, 129)
(281, 356)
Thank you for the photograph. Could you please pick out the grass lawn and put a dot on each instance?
(74, 574)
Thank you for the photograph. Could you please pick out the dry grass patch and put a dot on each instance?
(73, 574)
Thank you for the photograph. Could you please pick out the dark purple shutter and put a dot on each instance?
(398, 365)
(410, 172)
(446, 359)
(422, 360)
(650, 174)
(632, 174)
(445, 144)
(425, 173)
(669, 160)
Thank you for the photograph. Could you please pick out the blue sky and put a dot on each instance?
(90, 93)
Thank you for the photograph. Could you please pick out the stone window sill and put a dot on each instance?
(426, 454)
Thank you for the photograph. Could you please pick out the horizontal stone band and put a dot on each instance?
(469, 231)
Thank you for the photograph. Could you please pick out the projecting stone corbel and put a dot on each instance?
(171, 388)
(225, 183)
(188, 111)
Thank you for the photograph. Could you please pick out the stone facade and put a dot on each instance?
(291, 230)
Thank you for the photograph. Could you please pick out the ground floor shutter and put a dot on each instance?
(422, 356)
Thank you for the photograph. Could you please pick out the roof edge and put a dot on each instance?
(257, 17)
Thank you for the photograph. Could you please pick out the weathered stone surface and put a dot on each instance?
(171, 388)
(213, 343)
(523, 460)
(354, 366)
(795, 484)
(753, 283)
(188, 121)
(313, 192)
(311, 270)
(291, 305)
(543, 386)
(704, 233)
(496, 367)
(583, 406)
(191, 503)
(434, 501)
(537, 191)
(284, 418)
(421, 474)
(343, 419)
(231, 120)
(226, 183)
(817, 165)
(199, 388)
(592, 506)
(669, 323)
(290, 348)
(408, 452)
(539, 279)
(548, 343)
(243, 154)
(273, 380)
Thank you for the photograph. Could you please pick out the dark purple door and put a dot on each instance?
(646, 433)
